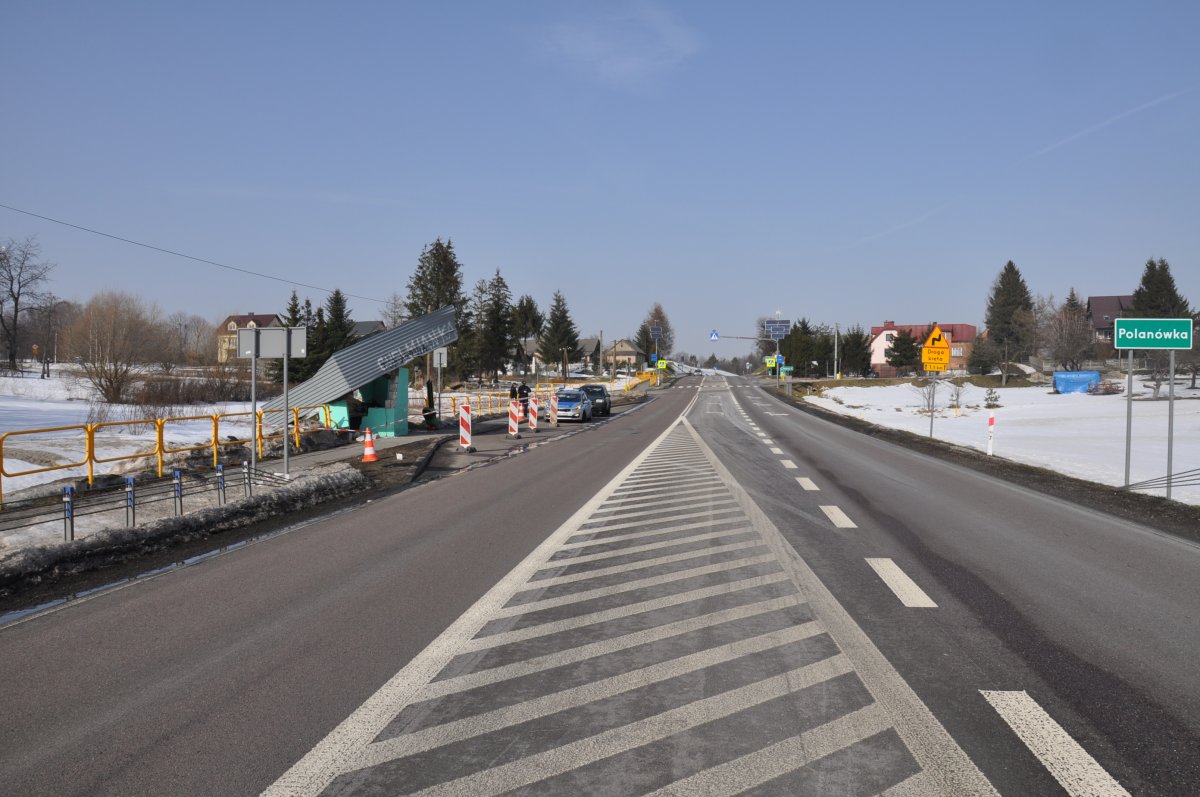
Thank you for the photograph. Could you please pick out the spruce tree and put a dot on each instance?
(1157, 296)
(855, 350)
(1009, 315)
(561, 336)
(528, 322)
(657, 317)
(495, 325)
(644, 342)
(437, 282)
(339, 327)
(292, 317)
(903, 353)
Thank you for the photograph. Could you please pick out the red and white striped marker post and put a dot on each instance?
(533, 413)
(464, 428)
(514, 419)
(554, 410)
(991, 431)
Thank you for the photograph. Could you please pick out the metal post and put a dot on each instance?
(68, 514)
(130, 503)
(254, 403)
(1128, 415)
(1170, 420)
(246, 485)
(287, 415)
(932, 405)
(220, 485)
(177, 481)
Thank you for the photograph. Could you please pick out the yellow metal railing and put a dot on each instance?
(93, 456)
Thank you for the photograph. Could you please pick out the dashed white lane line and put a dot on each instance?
(838, 517)
(768, 441)
(807, 484)
(1075, 770)
(776, 451)
(787, 463)
(898, 581)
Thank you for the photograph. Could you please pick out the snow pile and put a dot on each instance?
(1076, 434)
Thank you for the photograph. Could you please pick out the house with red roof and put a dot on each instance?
(961, 338)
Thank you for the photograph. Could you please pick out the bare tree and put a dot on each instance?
(1068, 335)
(394, 311)
(22, 273)
(928, 391)
(110, 339)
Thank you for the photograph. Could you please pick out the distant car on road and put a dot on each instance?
(601, 401)
(574, 404)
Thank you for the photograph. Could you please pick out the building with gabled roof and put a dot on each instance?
(227, 331)
(1103, 311)
(961, 338)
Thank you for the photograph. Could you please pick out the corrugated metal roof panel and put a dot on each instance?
(370, 358)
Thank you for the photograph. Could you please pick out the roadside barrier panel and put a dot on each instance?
(464, 428)
(533, 414)
(554, 410)
(514, 419)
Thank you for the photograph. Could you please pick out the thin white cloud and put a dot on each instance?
(1087, 131)
(624, 48)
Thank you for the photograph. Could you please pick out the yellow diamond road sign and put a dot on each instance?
(935, 354)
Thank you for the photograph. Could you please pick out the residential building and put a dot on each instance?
(961, 338)
(1102, 311)
(364, 328)
(227, 332)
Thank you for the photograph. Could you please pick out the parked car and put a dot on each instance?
(601, 401)
(574, 404)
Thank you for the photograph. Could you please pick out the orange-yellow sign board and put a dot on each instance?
(936, 351)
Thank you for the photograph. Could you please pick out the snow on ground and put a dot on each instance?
(1075, 434)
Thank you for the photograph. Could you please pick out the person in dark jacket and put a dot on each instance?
(523, 394)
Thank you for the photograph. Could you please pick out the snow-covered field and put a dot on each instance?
(1075, 434)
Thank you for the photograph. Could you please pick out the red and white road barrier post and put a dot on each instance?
(533, 413)
(464, 428)
(554, 410)
(991, 431)
(514, 419)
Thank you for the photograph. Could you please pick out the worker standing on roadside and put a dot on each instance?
(523, 393)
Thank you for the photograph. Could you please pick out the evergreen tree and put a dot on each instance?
(495, 325)
(528, 322)
(903, 354)
(339, 327)
(1010, 322)
(644, 343)
(1074, 304)
(292, 317)
(561, 337)
(711, 362)
(437, 282)
(855, 351)
(1157, 296)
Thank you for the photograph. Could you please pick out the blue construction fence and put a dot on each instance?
(1075, 381)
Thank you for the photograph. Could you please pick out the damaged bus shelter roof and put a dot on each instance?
(381, 353)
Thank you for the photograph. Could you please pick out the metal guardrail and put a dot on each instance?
(1185, 478)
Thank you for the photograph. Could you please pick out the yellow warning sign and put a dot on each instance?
(935, 354)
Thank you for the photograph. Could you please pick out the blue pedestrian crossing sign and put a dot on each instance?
(713, 335)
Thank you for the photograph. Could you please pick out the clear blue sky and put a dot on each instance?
(848, 162)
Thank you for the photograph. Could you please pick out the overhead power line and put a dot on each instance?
(185, 256)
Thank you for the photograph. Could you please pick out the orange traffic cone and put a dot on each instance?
(369, 448)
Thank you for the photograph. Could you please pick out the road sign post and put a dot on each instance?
(1159, 334)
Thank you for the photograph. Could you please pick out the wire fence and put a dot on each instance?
(1186, 478)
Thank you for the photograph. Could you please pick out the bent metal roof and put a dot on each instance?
(370, 358)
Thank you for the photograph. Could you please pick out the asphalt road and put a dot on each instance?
(747, 600)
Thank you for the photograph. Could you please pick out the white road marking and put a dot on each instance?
(838, 517)
(787, 463)
(807, 484)
(707, 513)
(742, 774)
(473, 680)
(667, 506)
(534, 708)
(612, 742)
(898, 581)
(650, 533)
(776, 451)
(1075, 770)
(947, 767)
(653, 546)
(767, 440)
(654, 561)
